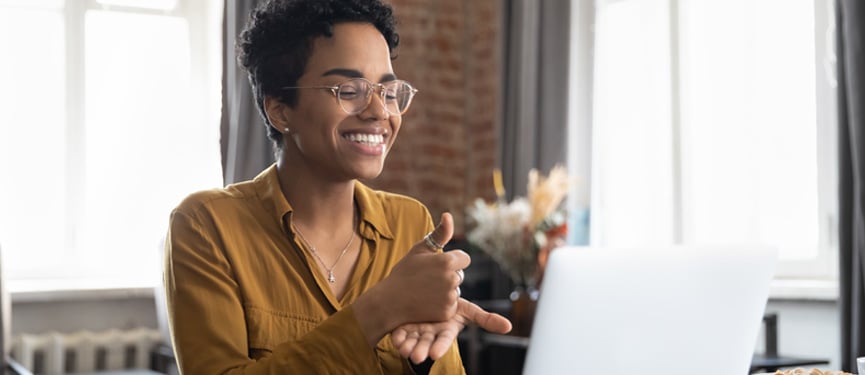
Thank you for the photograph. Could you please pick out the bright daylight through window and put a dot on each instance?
(109, 114)
(714, 125)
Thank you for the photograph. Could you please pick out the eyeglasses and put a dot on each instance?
(355, 94)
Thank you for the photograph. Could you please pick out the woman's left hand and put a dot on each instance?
(417, 341)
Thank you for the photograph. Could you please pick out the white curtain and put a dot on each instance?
(714, 125)
(632, 134)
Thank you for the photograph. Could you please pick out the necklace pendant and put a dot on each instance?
(330, 277)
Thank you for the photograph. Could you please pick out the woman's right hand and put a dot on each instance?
(422, 287)
(424, 283)
(417, 341)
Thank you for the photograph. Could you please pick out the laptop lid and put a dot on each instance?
(679, 310)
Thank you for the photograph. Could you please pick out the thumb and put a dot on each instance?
(441, 234)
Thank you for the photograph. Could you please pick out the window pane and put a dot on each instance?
(145, 146)
(32, 4)
(632, 137)
(32, 139)
(749, 124)
(149, 4)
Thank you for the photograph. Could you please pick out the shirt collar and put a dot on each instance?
(269, 192)
(371, 211)
(369, 202)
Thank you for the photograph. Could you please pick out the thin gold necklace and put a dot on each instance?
(330, 278)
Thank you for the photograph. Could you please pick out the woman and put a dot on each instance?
(304, 269)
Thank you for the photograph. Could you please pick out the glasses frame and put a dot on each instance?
(372, 88)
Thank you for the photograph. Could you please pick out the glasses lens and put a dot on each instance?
(354, 95)
(398, 96)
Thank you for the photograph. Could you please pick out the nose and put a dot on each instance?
(375, 108)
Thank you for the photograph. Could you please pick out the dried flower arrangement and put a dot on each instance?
(516, 234)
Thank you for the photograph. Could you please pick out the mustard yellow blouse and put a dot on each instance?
(244, 296)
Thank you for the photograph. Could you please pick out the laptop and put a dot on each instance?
(670, 311)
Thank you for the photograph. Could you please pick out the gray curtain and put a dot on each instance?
(850, 20)
(534, 120)
(535, 99)
(246, 150)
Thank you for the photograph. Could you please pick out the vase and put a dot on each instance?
(554, 238)
(524, 301)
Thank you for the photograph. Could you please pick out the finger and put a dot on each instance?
(407, 347)
(443, 342)
(460, 260)
(398, 336)
(421, 350)
(486, 320)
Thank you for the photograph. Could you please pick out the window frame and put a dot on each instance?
(199, 16)
(812, 278)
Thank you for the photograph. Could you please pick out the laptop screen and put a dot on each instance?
(678, 310)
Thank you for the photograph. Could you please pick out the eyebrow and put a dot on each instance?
(351, 73)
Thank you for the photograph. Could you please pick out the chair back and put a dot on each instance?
(160, 299)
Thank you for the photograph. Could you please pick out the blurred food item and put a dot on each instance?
(813, 371)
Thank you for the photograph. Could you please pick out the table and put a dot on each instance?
(773, 363)
(477, 341)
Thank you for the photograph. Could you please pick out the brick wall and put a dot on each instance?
(447, 148)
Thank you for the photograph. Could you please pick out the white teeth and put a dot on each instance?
(371, 139)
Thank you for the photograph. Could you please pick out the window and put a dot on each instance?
(713, 124)
(109, 113)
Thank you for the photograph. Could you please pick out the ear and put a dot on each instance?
(278, 113)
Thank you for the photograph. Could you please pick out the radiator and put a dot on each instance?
(64, 353)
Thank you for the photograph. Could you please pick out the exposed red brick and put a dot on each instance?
(447, 148)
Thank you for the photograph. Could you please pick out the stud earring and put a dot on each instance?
(286, 130)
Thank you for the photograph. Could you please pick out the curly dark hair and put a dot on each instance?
(277, 42)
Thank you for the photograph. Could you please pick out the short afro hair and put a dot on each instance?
(277, 42)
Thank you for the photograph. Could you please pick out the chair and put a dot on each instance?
(770, 360)
(162, 358)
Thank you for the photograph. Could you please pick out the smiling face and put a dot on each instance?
(322, 138)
